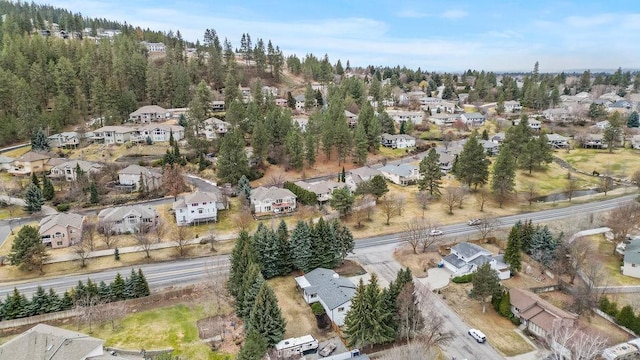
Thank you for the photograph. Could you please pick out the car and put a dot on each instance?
(478, 335)
(327, 349)
(436, 232)
(474, 222)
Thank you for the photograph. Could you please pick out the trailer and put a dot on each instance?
(288, 348)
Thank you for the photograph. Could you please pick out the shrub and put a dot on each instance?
(464, 279)
(62, 207)
(317, 309)
(305, 197)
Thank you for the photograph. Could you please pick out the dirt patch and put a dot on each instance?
(350, 268)
(419, 263)
(224, 332)
(499, 330)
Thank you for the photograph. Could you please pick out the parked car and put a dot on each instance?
(478, 335)
(474, 222)
(436, 232)
(327, 349)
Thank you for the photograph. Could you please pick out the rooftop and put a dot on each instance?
(331, 289)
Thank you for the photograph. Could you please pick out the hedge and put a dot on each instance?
(304, 196)
(463, 279)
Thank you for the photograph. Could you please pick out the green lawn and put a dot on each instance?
(610, 262)
(622, 162)
(173, 326)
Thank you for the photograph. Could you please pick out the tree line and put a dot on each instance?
(16, 305)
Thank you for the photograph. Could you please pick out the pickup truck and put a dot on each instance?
(327, 349)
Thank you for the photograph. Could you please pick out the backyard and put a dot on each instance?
(610, 263)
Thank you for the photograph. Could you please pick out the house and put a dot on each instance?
(535, 124)
(195, 208)
(593, 141)
(498, 138)
(269, 91)
(128, 219)
(323, 189)
(330, 290)
(67, 169)
(401, 116)
(601, 125)
(557, 115)
(359, 175)
(629, 350)
(444, 119)
(149, 113)
(465, 258)
(446, 159)
(537, 315)
(512, 106)
(217, 105)
(6, 162)
(65, 139)
(46, 342)
(400, 141)
(30, 162)
(631, 262)
(299, 102)
(61, 230)
(281, 102)
(129, 178)
(155, 47)
(473, 119)
(490, 148)
(352, 119)
(158, 133)
(557, 141)
(215, 128)
(272, 200)
(402, 174)
(302, 122)
(113, 134)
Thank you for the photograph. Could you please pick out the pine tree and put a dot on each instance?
(104, 292)
(512, 254)
(485, 283)
(634, 120)
(93, 190)
(295, 147)
(343, 239)
(141, 285)
(361, 144)
(342, 200)
(503, 181)
(28, 251)
(300, 245)
(118, 288)
(472, 167)
(310, 149)
(48, 191)
(116, 254)
(254, 348)
(244, 188)
(378, 186)
(130, 285)
(241, 255)
(431, 173)
(517, 137)
(266, 318)
(368, 321)
(55, 303)
(321, 245)
(284, 249)
(39, 303)
(267, 255)
(232, 159)
(66, 302)
(251, 284)
(15, 306)
(39, 142)
(34, 179)
(33, 199)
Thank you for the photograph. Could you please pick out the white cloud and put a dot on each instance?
(454, 14)
(590, 21)
(411, 14)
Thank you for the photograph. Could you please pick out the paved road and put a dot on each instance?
(191, 271)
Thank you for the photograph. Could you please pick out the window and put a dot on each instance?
(194, 204)
(200, 211)
(267, 208)
(278, 201)
(341, 309)
(132, 219)
(634, 265)
(59, 243)
(314, 295)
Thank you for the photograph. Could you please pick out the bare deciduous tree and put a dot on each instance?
(461, 195)
(587, 294)
(106, 228)
(532, 192)
(180, 242)
(566, 342)
(571, 187)
(482, 196)
(217, 298)
(606, 183)
(622, 220)
(416, 232)
(361, 208)
(433, 334)
(423, 198)
(276, 179)
(243, 220)
(400, 202)
(87, 306)
(144, 241)
(571, 258)
(635, 178)
(89, 234)
(389, 206)
(487, 225)
(450, 197)
(159, 231)
(82, 249)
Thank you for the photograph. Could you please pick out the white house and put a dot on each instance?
(113, 134)
(67, 170)
(352, 119)
(557, 141)
(215, 128)
(330, 290)
(465, 258)
(128, 219)
(535, 124)
(130, 177)
(155, 47)
(302, 122)
(401, 116)
(195, 208)
(512, 106)
(65, 139)
(159, 132)
(473, 119)
(272, 200)
(402, 174)
(398, 141)
(149, 113)
(443, 119)
(631, 264)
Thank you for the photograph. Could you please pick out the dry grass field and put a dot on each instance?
(620, 163)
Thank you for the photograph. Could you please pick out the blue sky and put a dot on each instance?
(435, 35)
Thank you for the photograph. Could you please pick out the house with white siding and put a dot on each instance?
(333, 292)
(149, 113)
(402, 174)
(68, 169)
(127, 219)
(397, 141)
(195, 208)
(465, 258)
(129, 178)
(272, 200)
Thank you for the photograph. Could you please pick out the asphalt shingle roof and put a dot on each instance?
(632, 252)
(334, 291)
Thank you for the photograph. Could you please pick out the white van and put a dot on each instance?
(478, 335)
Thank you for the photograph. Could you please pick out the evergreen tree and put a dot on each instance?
(39, 142)
(244, 188)
(33, 199)
(342, 200)
(93, 190)
(232, 159)
(361, 144)
(504, 175)
(613, 132)
(141, 285)
(251, 283)
(266, 318)
(15, 306)
(485, 283)
(66, 302)
(472, 166)
(118, 288)
(543, 245)
(367, 322)
(254, 348)
(322, 245)
(39, 303)
(343, 239)
(295, 147)
(48, 191)
(34, 179)
(535, 152)
(517, 137)
(130, 285)
(116, 254)
(626, 317)
(378, 186)
(310, 149)
(241, 256)
(512, 254)
(55, 303)
(527, 231)
(634, 120)
(28, 251)
(431, 173)
(104, 292)
(282, 236)
(408, 316)
(300, 245)
(267, 252)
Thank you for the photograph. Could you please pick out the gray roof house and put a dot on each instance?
(323, 189)
(45, 342)
(631, 263)
(465, 258)
(149, 113)
(64, 139)
(128, 219)
(402, 174)
(557, 141)
(473, 119)
(327, 287)
(359, 175)
(67, 169)
(129, 178)
(272, 200)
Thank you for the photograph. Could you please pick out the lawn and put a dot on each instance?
(168, 327)
(110, 153)
(620, 163)
(12, 211)
(499, 330)
(17, 152)
(610, 262)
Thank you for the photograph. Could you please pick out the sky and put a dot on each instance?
(433, 35)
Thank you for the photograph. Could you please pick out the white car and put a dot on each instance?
(436, 232)
(474, 222)
(478, 335)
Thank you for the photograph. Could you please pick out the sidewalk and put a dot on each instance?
(131, 249)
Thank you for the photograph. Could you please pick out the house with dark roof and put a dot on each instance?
(397, 141)
(401, 174)
(330, 290)
(45, 342)
(128, 219)
(631, 262)
(195, 208)
(61, 230)
(465, 258)
(272, 200)
(537, 315)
